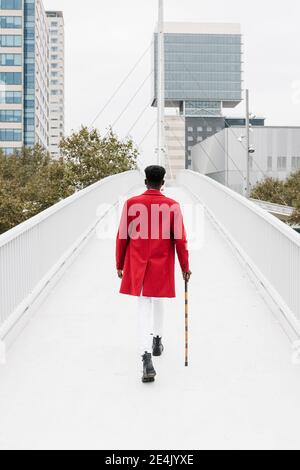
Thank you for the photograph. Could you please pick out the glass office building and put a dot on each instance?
(24, 75)
(202, 66)
(203, 75)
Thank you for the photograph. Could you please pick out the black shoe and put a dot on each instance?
(148, 369)
(157, 348)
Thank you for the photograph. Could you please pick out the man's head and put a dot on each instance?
(155, 177)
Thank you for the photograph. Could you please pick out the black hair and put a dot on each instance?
(155, 175)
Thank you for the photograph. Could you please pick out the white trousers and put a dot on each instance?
(150, 321)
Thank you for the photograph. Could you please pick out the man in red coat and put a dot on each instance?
(150, 231)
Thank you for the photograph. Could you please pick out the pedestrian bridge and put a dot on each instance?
(70, 378)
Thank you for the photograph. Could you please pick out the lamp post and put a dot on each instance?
(248, 189)
(160, 85)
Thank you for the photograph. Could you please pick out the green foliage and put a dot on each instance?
(30, 181)
(281, 192)
(91, 157)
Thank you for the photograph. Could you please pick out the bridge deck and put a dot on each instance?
(72, 379)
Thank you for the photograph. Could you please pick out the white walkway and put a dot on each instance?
(72, 379)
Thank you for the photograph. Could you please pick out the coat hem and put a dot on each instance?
(154, 296)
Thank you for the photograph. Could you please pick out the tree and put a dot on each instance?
(91, 157)
(29, 183)
(271, 190)
(281, 192)
(11, 207)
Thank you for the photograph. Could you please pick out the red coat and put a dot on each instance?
(151, 228)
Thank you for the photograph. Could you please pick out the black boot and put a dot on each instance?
(157, 348)
(148, 369)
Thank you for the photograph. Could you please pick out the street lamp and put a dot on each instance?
(160, 85)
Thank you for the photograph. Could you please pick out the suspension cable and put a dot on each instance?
(121, 84)
(132, 98)
(139, 117)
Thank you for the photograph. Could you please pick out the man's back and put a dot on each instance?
(150, 229)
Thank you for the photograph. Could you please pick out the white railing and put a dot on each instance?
(274, 208)
(271, 248)
(32, 252)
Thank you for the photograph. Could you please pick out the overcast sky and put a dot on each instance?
(104, 39)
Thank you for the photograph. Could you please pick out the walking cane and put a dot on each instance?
(186, 324)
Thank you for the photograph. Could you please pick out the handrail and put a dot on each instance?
(30, 252)
(270, 247)
(273, 207)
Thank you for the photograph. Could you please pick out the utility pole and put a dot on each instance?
(248, 188)
(160, 85)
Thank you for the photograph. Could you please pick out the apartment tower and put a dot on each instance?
(25, 93)
(57, 84)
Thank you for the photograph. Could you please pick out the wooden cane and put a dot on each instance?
(186, 324)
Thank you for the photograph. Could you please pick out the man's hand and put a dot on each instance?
(120, 273)
(187, 276)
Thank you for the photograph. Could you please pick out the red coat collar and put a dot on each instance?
(153, 192)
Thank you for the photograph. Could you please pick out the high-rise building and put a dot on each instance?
(24, 75)
(57, 73)
(203, 75)
(175, 142)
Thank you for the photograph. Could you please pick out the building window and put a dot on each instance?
(199, 139)
(8, 150)
(209, 129)
(10, 97)
(10, 40)
(10, 135)
(199, 129)
(10, 22)
(54, 24)
(190, 138)
(11, 59)
(10, 115)
(11, 4)
(270, 163)
(295, 163)
(281, 163)
(190, 129)
(11, 78)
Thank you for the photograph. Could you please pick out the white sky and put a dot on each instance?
(105, 38)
